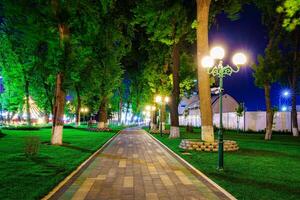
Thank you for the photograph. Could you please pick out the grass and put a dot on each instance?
(259, 170)
(32, 178)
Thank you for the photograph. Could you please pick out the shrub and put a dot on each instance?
(23, 128)
(32, 146)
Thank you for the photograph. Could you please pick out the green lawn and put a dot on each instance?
(32, 178)
(259, 170)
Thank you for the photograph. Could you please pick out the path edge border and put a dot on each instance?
(191, 167)
(78, 169)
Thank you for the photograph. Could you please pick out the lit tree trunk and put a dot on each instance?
(153, 120)
(207, 131)
(294, 107)
(270, 112)
(60, 95)
(163, 116)
(120, 107)
(174, 131)
(78, 107)
(127, 110)
(295, 76)
(49, 96)
(58, 113)
(27, 103)
(103, 114)
(46, 117)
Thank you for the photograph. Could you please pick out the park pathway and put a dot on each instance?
(135, 166)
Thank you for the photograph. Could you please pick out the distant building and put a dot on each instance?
(189, 108)
(192, 106)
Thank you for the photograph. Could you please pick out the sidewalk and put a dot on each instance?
(134, 166)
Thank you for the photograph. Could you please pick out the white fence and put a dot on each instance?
(255, 121)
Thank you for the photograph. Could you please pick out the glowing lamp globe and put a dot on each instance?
(207, 62)
(158, 99)
(239, 59)
(148, 108)
(153, 108)
(217, 53)
(167, 99)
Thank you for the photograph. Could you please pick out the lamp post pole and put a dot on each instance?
(160, 119)
(220, 132)
(221, 71)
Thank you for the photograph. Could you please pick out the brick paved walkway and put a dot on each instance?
(134, 166)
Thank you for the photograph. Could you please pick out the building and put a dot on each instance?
(189, 108)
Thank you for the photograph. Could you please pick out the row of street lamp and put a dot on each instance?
(161, 101)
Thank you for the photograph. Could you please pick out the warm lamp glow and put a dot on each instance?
(148, 108)
(217, 53)
(207, 62)
(158, 99)
(167, 99)
(239, 59)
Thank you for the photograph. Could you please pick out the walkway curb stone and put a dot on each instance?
(58, 189)
(193, 169)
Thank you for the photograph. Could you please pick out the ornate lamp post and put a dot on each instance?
(214, 64)
(161, 100)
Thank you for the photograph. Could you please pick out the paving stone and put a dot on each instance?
(134, 166)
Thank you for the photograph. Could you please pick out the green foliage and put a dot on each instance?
(51, 166)
(291, 11)
(239, 110)
(11, 71)
(22, 128)
(249, 168)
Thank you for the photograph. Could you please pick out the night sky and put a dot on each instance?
(249, 35)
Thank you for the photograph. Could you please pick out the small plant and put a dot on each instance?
(32, 146)
(239, 113)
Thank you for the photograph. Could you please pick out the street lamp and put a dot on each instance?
(161, 100)
(214, 65)
(285, 94)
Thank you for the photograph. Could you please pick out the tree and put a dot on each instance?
(291, 10)
(207, 131)
(171, 30)
(239, 113)
(290, 71)
(265, 73)
(11, 72)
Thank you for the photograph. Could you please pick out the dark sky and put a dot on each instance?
(249, 35)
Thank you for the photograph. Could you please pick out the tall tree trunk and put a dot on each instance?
(294, 105)
(153, 120)
(58, 113)
(27, 103)
(175, 131)
(103, 114)
(120, 107)
(163, 116)
(49, 97)
(78, 106)
(270, 112)
(207, 131)
(295, 76)
(60, 95)
(46, 117)
(127, 110)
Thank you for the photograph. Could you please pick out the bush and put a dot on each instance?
(23, 128)
(32, 146)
